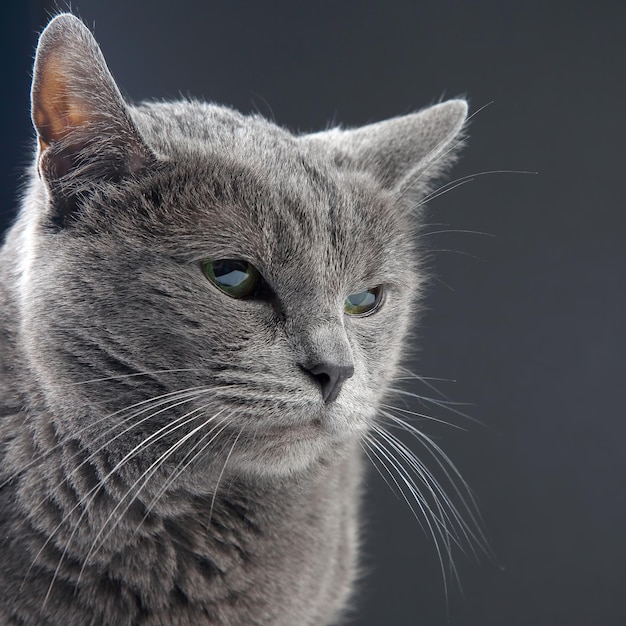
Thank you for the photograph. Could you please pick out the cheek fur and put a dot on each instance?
(167, 453)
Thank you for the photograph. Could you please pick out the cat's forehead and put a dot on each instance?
(251, 189)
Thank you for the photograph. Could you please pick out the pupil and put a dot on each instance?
(230, 274)
(364, 298)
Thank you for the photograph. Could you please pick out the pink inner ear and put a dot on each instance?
(83, 125)
(56, 108)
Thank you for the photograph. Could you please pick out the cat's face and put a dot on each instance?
(122, 290)
(125, 319)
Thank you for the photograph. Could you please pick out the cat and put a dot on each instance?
(201, 313)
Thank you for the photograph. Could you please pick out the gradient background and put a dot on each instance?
(529, 321)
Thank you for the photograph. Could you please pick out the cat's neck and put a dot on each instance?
(200, 550)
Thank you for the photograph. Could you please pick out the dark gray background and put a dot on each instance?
(529, 322)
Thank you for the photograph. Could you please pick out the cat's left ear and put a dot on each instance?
(405, 154)
(83, 124)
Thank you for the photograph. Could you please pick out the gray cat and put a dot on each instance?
(200, 316)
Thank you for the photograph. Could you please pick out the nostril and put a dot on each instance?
(330, 378)
(323, 379)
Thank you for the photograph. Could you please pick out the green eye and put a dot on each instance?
(364, 302)
(238, 279)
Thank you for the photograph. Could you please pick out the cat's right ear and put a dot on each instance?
(83, 125)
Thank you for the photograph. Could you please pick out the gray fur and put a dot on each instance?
(103, 307)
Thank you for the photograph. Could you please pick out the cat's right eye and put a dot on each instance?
(234, 277)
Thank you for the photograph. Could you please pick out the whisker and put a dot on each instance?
(164, 397)
(431, 251)
(375, 465)
(409, 375)
(446, 508)
(428, 156)
(479, 110)
(136, 374)
(426, 478)
(187, 397)
(145, 477)
(86, 501)
(442, 522)
(185, 463)
(456, 231)
(374, 448)
(444, 405)
(446, 465)
(92, 455)
(422, 415)
(219, 478)
(440, 191)
(453, 184)
(380, 452)
(454, 146)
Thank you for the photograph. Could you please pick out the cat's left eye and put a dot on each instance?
(234, 277)
(363, 302)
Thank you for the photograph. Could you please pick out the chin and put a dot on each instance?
(287, 451)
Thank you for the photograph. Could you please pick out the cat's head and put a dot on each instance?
(189, 274)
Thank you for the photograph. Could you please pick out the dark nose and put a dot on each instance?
(330, 378)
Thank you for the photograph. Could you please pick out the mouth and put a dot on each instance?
(287, 433)
(296, 423)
